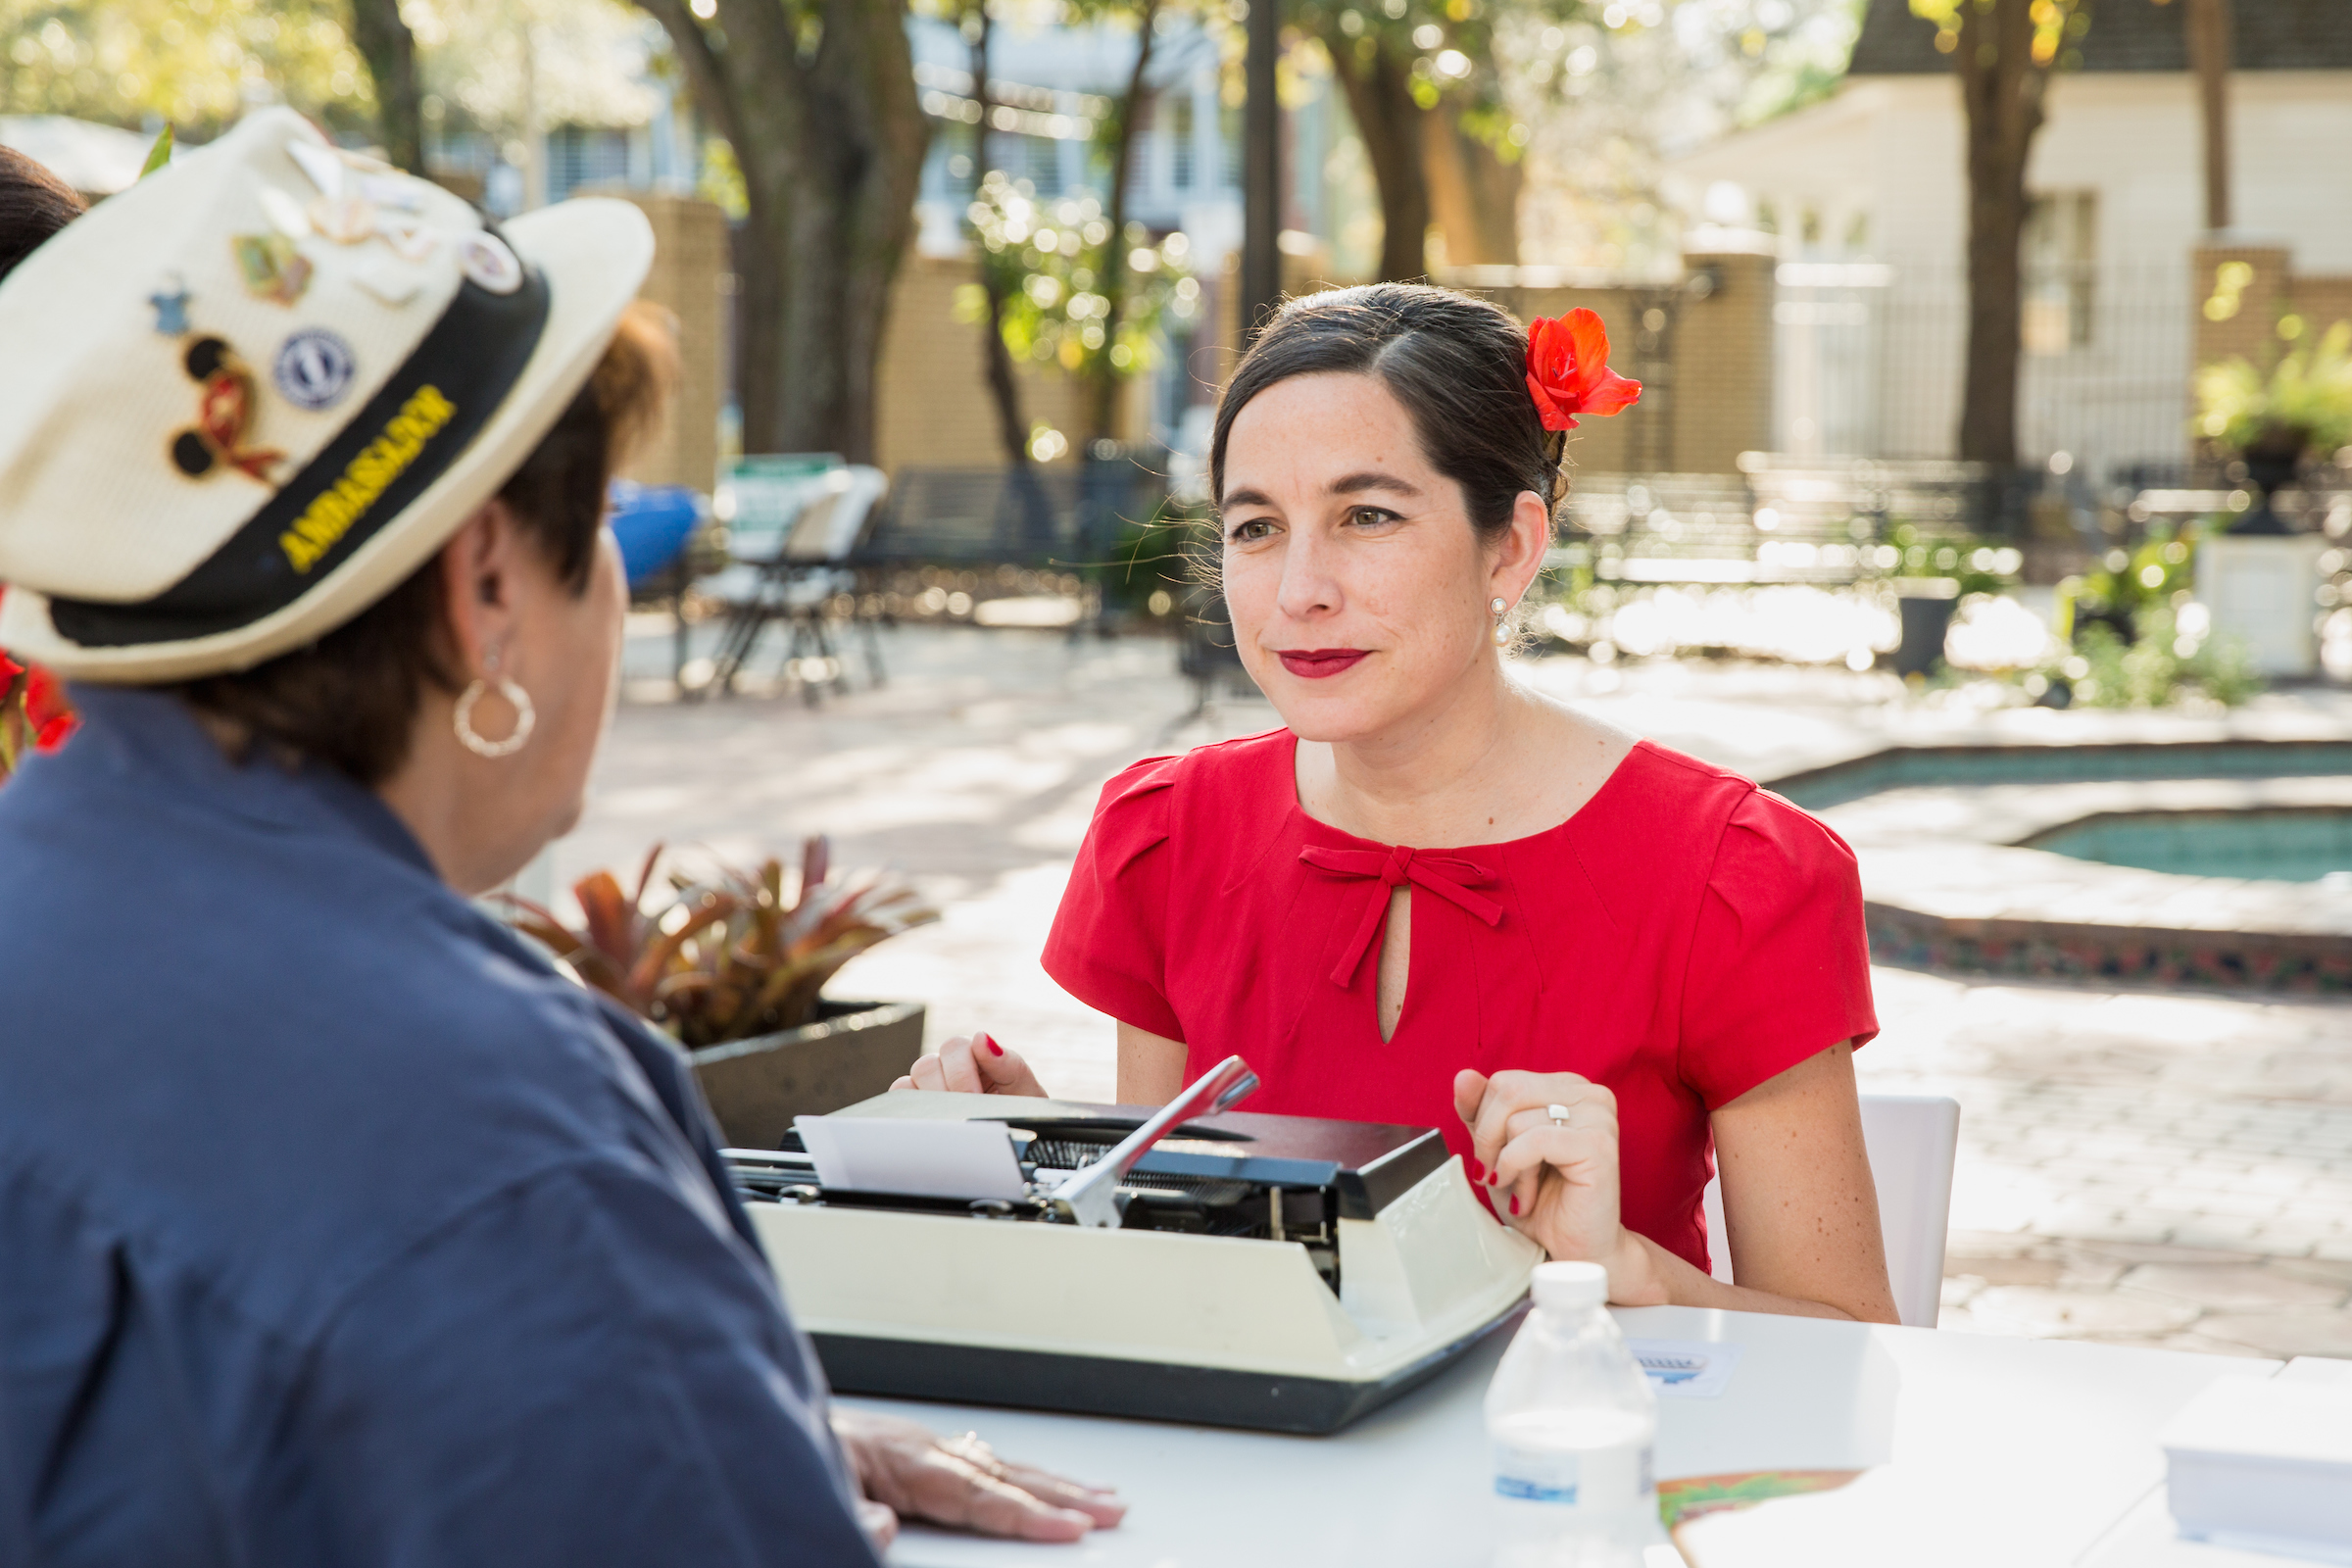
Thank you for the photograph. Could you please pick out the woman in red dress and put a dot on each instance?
(1435, 898)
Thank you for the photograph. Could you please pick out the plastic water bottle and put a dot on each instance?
(1572, 1420)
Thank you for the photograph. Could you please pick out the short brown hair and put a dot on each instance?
(34, 204)
(349, 698)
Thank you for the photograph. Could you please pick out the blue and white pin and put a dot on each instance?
(313, 368)
(170, 302)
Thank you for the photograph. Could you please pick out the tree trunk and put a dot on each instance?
(1012, 428)
(1377, 79)
(831, 145)
(1473, 194)
(2001, 87)
(2208, 24)
(1102, 397)
(389, 49)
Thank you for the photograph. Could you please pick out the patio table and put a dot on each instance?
(1976, 1450)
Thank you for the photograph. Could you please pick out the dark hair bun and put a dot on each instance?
(1458, 363)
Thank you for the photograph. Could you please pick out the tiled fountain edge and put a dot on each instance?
(2293, 961)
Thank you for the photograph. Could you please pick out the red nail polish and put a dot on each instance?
(1514, 1202)
(1478, 1171)
(994, 1049)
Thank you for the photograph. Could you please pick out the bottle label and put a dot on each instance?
(1617, 1478)
(1535, 1476)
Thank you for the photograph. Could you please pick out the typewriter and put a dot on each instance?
(1186, 1263)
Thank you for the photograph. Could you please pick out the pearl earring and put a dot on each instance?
(1502, 629)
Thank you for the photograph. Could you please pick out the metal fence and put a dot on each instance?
(1869, 363)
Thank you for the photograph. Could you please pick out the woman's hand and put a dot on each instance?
(976, 1065)
(907, 1471)
(1556, 1183)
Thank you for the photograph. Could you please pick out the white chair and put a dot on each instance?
(791, 573)
(1911, 1141)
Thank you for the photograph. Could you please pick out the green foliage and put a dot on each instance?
(721, 182)
(727, 957)
(1045, 260)
(576, 62)
(2161, 572)
(2162, 665)
(187, 62)
(1801, 65)
(2170, 654)
(158, 155)
(2308, 390)
(2058, 25)
(1979, 565)
(1451, 47)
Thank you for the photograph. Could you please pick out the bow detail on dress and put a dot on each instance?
(1442, 874)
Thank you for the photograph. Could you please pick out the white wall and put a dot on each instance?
(1891, 147)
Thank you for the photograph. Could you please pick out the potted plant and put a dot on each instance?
(1929, 577)
(2304, 404)
(733, 967)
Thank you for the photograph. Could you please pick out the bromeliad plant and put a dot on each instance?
(731, 956)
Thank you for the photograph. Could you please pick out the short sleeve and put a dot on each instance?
(580, 1369)
(1779, 961)
(1109, 946)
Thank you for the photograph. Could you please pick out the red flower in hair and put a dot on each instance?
(1568, 370)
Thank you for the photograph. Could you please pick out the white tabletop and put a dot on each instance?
(1978, 1452)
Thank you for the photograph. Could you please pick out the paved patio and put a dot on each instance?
(2147, 1168)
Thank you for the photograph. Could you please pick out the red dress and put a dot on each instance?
(1682, 938)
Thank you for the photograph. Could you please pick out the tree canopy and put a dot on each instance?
(194, 63)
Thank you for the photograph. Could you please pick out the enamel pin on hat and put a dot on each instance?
(219, 444)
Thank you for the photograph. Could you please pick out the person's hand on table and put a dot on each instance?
(1556, 1182)
(907, 1471)
(973, 1065)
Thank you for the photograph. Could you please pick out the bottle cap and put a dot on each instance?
(1570, 1286)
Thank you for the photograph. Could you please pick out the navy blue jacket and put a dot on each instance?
(336, 1227)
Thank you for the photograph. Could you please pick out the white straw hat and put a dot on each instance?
(249, 396)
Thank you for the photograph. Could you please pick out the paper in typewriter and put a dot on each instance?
(967, 1160)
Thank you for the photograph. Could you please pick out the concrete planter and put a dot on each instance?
(854, 1051)
(2262, 590)
(1925, 606)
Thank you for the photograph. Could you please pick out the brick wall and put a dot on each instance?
(689, 262)
(2239, 315)
(935, 408)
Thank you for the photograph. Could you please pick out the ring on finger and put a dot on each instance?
(1561, 1115)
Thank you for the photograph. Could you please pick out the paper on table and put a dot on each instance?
(912, 1158)
(1686, 1369)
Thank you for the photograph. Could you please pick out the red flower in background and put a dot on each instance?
(1568, 369)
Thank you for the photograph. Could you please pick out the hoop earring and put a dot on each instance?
(525, 714)
(1503, 627)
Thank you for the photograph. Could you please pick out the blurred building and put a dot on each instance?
(1867, 197)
